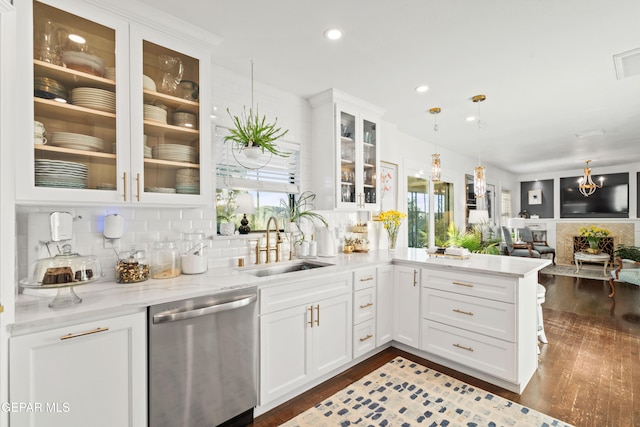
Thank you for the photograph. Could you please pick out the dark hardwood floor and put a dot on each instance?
(588, 375)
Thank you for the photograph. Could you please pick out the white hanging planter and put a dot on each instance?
(252, 153)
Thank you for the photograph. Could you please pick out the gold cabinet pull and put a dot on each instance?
(368, 337)
(469, 285)
(318, 317)
(124, 178)
(138, 186)
(463, 347)
(1, 308)
(366, 279)
(468, 313)
(369, 304)
(81, 334)
(415, 275)
(311, 310)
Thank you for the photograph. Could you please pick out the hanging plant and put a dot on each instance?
(251, 130)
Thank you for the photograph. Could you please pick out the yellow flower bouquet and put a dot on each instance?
(392, 220)
(593, 235)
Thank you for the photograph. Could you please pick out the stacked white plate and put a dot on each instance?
(110, 73)
(98, 99)
(76, 141)
(159, 190)
(61, 174)
(184, 119)
(148, 153)
(187, 176)
(157, 114)
(83, 61)
(188, 188)
(175, 152)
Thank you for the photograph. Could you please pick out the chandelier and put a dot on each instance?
(479, 179)
(435, 157)
(587, 186)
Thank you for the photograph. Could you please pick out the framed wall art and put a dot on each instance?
(388, 186)
(535, 197)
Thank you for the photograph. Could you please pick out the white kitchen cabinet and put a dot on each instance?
(346, 152)
(406, 305)
(96, 139)
(92, 373)
(384, 299)
(305, 332)
(483, 322)
(364, 310)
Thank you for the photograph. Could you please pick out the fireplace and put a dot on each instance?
(606, 245)
(621, 233)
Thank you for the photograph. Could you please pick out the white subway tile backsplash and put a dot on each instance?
(147, 214)
(159, 226)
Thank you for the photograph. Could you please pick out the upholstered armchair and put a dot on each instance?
(628, 271)
(538, 245)
(518, 249)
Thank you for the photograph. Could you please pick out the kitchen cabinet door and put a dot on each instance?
(92, 373)
(73, 98)
(331, 332)
(170, 127)
(348, 179)
(406, 299)
(385, 310)
(285, 346)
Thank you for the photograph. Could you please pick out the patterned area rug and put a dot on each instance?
(586, 272)
(403, 393)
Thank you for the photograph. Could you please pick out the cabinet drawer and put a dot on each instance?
(364, 337)
(304, 292)
(489, 355)
(475, 284)
(364, 278)
(364, 305)
(488, 317)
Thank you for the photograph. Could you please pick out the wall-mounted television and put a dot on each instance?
(610, 201)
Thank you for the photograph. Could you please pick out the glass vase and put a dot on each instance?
(393, 237)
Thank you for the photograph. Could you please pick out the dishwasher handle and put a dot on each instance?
(175, 315)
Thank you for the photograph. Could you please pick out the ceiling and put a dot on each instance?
(546, 67)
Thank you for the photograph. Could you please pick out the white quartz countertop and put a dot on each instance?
(104, 299)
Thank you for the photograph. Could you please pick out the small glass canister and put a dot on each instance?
(132, 267)
(165, 260)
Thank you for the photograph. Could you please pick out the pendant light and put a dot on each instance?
(479, 178)
(587, 186)
(435, 157)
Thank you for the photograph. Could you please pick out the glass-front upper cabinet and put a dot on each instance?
(352, 125)
(175, 122)
(73, 107)
(115, 109)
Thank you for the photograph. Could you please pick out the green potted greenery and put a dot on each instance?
(472, 240)
(253, 135)
(631, 253)
(302, 208)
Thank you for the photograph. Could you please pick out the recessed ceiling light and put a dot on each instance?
(471, 119)
(333, 34)
(422, 88)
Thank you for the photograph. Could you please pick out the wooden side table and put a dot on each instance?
(581, 257)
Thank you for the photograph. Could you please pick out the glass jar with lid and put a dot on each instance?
(165, 260)
(194, 259)
(132, 267)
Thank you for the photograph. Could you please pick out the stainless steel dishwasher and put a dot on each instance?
(203, 360)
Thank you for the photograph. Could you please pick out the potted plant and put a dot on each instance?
(301, 209)
(253, 135)
(593, 235)
(225, 212)
(472, 240)
(631, 254)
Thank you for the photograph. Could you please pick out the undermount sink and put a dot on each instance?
(271, 270)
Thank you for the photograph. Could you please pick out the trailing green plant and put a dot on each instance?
(302, 208)
(628, 252)
(251, 130)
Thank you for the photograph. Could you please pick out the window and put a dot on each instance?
(417, 212)
(442, 210)
(505, 206)
(267, 185)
